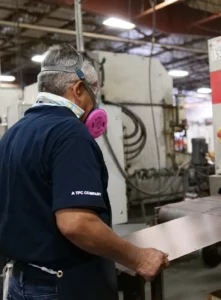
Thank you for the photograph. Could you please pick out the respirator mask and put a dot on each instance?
(96, 121)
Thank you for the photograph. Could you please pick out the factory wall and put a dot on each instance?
(196, 115)
(199, 111)
(8, 97)
(30, 93)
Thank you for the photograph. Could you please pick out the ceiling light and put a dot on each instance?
(38, 58)
(201, 96)
(178, 73)
(7, 78)
(118, 23)
(204, 90)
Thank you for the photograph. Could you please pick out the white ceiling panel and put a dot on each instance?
(51, 23)
(12, 3)
(20, 40)
(33, 33)
(4, 13)
(63, 13)
(3, 53)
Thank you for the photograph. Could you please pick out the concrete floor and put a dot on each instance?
(185, 279)
(189, 279)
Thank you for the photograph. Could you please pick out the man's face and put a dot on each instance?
(84, 97)
(87, 102)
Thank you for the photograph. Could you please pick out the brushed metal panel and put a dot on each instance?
(179, 237)
(177, 210)
(116, 184)
(126, 229)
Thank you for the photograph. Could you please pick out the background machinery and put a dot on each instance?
(202, 167)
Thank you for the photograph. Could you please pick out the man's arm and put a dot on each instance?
(85, 230)
(75, 167)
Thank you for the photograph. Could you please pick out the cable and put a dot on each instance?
(128, 179)
(201, 173)
(144, 174)
(143, 135)
(136, 125)
(143, 129)
(18, 53)
(134, 148)
(153, 4)
(134, 133)
(123, 173)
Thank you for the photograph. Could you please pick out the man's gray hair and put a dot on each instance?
(64, 55)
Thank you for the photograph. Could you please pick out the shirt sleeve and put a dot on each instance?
(76, 177)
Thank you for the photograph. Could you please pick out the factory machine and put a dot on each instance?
(194, 224)
(208, 205)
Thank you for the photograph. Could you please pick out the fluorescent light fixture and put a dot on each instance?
(204, 90)
(178, 73)
(201, 96)
(7, 78)
(118, 23)
(38, 58)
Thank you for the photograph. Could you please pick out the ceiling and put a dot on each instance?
(182, 31)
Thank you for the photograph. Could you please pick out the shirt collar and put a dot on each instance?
(54, 100)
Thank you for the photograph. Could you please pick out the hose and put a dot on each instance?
(136, 128)
(133, 148)
(126, 177)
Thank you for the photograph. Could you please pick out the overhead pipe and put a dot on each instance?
(93, 35)
(79, 26)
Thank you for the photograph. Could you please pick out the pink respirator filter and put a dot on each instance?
(97, 122)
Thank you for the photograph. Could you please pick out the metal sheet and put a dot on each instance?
(177, 210)
(179, 237)
(125, 229)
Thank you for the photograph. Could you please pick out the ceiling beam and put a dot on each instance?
(157, 7)
(192, 86)
(206, 20)
(20, 30)
(38, 14)
(193, 62)
(102, 37)
(192, 80)
(184, 44)
(190, 58)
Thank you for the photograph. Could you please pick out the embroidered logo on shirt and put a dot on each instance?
(81, 193)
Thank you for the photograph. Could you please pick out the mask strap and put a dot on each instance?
(74, 69)
(81, 76)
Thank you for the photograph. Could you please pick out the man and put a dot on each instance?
(55, 214)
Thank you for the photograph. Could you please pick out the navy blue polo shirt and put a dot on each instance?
(48, 162)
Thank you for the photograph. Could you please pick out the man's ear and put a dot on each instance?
(77, 90)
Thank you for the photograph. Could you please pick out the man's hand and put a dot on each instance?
(86, 231)
(150, 263)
